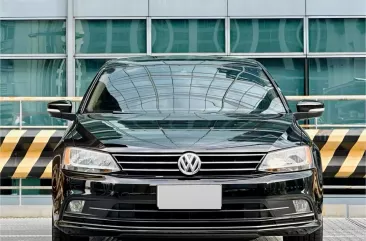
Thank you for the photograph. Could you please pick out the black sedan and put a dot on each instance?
(186, 147)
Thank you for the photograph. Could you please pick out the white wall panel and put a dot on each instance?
(33, 8)
(188, 8)
(262, 8)
(111, 8)
(336, 7)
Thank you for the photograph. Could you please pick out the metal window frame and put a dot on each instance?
(110, 18)
(270, 55)
(33, 56)
(187, 17)
(31, 18)
(108, 56)
(227, 36)
(336, 55)
(306, 35)
(148, 36)
(335, 16)
(190, 53)
(268, 17)
(70, 49)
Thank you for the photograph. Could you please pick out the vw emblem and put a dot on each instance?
(189, 164)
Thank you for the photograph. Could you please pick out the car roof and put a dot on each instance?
(184, 59)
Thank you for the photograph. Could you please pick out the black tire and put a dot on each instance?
(57, 235)
(316, 236)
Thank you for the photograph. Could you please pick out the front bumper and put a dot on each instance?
(251, 207)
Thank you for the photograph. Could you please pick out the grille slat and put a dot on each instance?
(213, 164)
(227, 170)
(152, 163)
(227, 211)
(192, 211)
(232, 162)
(150, 170)
(234, 213)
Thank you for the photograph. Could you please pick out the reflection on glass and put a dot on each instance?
(337, 35)
(32, 36)
(266, 35)
(340, 76)
(85, 71)
(30, 78)
(188, 88)
(289, 74)
(33, 114)
(110, 36)
(188, 36)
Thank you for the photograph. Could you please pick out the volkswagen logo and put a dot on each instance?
(189, 164)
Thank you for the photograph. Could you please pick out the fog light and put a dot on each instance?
(76, 206)
(301, 206)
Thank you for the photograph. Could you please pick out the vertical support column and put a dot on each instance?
(227, 36)
(20, 115)
(307, 85)
(306, 77)
(306, 64)
(148, 36)
(306, 35)
(20, 192)
(316, 122)
(70, 47)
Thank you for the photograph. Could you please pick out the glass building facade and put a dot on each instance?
(307, 55)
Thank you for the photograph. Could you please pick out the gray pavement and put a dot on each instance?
(32, 229)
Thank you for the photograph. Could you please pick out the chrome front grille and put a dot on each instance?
(217, 164)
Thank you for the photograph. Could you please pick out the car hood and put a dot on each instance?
(182, 132)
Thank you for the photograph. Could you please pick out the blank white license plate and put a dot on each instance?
(183, 197)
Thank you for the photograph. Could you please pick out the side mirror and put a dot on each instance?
(61, 109)
(309, 109)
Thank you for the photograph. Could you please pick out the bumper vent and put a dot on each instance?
(213, 164)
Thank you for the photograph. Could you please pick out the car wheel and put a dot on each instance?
(57, 235)
(316, 236)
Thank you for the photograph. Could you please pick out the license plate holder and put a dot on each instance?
(189, 197)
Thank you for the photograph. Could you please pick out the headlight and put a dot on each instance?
(83, 160)
(288, 160)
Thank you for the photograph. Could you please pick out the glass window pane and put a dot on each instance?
(111, 36)
(337, 35)
(289, 75)
(31, 78)
(266, 35)
(339, 76)
(188, 36)
(32, 37)
(86, 70)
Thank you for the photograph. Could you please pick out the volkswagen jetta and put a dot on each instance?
(186, 147)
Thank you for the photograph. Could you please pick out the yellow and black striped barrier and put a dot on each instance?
(342, 151)
(27, 153)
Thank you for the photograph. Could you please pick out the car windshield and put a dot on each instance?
(185, 88)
